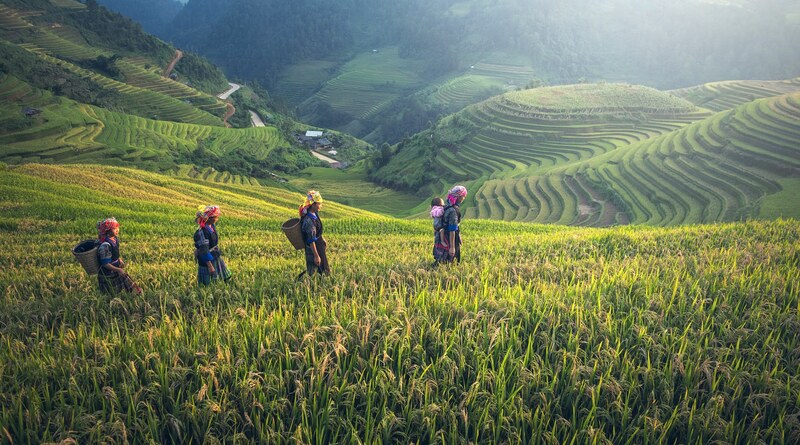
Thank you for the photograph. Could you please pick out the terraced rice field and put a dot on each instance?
(511, 138)
(482, 78)
(719, 169)
(721, 96)
(354, 189)
(145, 92)
(544, 334)
(70, 132)
(299, 81)
(368, 83)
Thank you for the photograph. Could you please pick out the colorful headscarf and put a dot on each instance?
(204, 213)
(311, 197)
(455, 193)
(104, 226)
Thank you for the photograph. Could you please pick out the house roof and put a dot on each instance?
(313, 134)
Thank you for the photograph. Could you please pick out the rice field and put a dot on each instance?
(367, 84)
(545, 334)
(68, 132)
(144, 91)
(600, 155)
(734, 165)
(722, 96)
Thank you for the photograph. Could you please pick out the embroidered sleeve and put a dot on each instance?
(104, 254)
(201, 243)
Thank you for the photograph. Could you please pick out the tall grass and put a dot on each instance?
(543, 335)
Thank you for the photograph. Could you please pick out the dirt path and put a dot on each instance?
(323, 157)
(175, 60)
(231, 90)
(231, 109)
(256, 119)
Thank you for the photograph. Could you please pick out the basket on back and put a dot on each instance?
(86, 254)
(291, 229)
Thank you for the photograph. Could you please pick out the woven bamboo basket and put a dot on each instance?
(291, 229)
(86, 254)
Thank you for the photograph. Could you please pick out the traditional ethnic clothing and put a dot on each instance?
(440, 248)
(206, 243)
(112, 281)
(451, 220)
(311, 227)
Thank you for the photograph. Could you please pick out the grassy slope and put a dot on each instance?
(565, 155)
(545, 333)
(70, 132)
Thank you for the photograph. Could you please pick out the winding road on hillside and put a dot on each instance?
(256, 119)
(231, 90)
(175, 60)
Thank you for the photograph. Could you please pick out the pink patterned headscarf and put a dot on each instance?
(105, 226)
(455, 193)
(204, 213)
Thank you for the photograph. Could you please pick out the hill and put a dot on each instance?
(382, 69)
(100, 90)
(566, 155)
(544, 333)
(67, 131)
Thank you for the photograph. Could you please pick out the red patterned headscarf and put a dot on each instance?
(204, 213)
(104, 226)
(455, 193)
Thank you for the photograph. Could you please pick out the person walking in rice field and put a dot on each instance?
(451, 220)
(210, 265)
(311, 227)
(440, 246)
(112, 277)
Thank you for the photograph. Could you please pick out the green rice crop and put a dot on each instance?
(543, 334)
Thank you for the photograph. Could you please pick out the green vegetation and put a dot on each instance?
(600, 155)
(365, 85)
(543, 335)
(352, 188)
(721, 96)
(70, 132)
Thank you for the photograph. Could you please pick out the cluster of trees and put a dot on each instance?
(154, 15)
(48, 76)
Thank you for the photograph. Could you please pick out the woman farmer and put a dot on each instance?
(451, 220)
(311, 226)
(210, 265)
(112, 277)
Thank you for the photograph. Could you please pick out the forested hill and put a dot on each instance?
(154, 15)
(437, 56)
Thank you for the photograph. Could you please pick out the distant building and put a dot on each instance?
(333, 152)
(313, 134)
(30, 112)
(324, 144)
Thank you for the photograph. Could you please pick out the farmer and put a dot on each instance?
(451, 220)
(311, 227)
(210, 265)
(112, 277)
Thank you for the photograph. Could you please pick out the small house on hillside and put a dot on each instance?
(30, 112)
(313, 134)
(323, 144)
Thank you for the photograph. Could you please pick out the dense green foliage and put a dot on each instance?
(652, 42)
(49, 76)
(543, 335)
(154, 15)
(201, 74)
